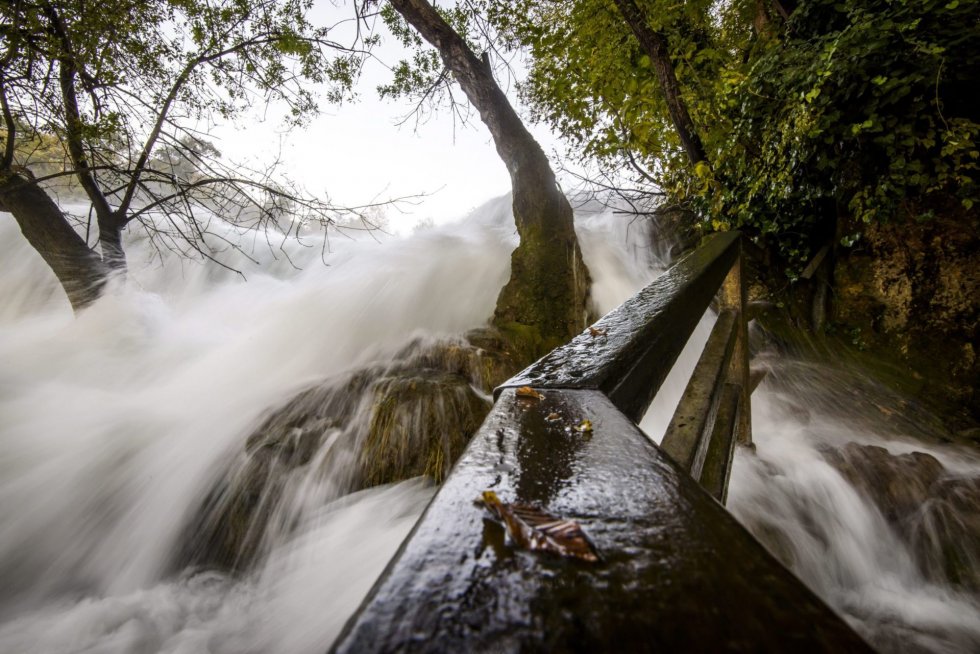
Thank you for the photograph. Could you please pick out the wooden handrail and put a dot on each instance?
(629, 352)
(677, 572)
(686, 437)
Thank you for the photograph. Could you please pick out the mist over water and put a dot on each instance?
(115, 424)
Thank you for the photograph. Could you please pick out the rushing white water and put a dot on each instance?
(114, 425)
(833, 538)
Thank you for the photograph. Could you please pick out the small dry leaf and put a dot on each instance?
(533, 529)
(593, 332)
(530, 393)
(552, 417)
(585, 426)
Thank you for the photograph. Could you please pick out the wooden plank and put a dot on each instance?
(733, 295)
(677, 574)
(686, 437)
(717, 468)
(815, 262)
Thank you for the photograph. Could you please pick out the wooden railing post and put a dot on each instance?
(733, 296)
(714, 412)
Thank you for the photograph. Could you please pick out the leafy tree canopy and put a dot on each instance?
(807, 111)
(858, 107)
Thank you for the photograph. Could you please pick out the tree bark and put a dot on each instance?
(110, 222)
(110, 241)
(80, 270)
(785, 7)
(546, 298)
(655, 45)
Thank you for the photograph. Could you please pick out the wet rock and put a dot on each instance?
(228, 530)
(419, 425)
(945, 533)
(934, 513)
(897, 484)
(971, 435)
(378, 425)
(484, 357)
(912, 289)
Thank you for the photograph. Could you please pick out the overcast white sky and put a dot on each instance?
(356, 152)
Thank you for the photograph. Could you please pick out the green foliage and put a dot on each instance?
(844, 109)
(588, 78)
(422, 76)
(860, 106)
(410, 77)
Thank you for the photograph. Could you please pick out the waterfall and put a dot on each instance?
(862, 557)
(116, 425)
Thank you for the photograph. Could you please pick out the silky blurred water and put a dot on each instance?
(834, 539)
(114, 425)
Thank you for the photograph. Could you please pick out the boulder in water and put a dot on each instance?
(378, 425)
(897, 484)
(419, 425)
(945, 533)
(934, 512)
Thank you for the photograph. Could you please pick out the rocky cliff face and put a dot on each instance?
(911, 289)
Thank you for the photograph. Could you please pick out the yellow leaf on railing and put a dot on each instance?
(531, 528)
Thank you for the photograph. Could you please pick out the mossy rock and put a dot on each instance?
(897, 484)
(483, 356)
(378, 425)
(419, 425)
(945, 533)
(911, 289)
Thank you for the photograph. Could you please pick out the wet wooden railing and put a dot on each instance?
(676, 573)
(629, 352)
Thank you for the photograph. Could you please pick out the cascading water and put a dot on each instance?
(115, 426)
(859, 545)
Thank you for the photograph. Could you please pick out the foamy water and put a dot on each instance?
(115, 424)
(836, 541)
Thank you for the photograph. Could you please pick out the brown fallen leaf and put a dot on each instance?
(553, 417)
(533, 529)
(593, 332)
(529, 393)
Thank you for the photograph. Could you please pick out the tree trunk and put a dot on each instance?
(80, 270)
(655, 45)
(545, 300)
(110, 241)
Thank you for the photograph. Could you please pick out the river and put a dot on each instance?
(115, 424)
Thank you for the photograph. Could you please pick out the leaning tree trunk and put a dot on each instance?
(545, 301)
(80, 270)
